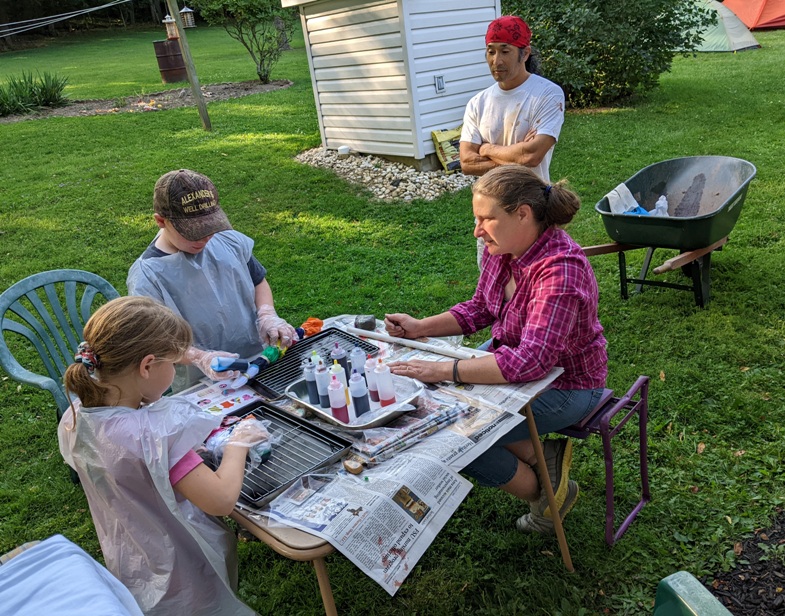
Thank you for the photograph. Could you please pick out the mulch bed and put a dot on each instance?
(757, 586)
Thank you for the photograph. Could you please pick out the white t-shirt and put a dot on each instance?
(503, 117)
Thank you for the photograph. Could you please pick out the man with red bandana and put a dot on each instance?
(518, 119)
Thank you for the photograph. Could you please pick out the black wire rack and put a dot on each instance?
(303, 448)
(273, 380)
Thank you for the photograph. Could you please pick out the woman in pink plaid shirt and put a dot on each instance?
(538, 294)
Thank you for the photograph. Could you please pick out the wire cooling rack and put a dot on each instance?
(303, 448)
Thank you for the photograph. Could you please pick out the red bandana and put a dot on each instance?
(509, 29)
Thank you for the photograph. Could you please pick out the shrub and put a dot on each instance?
(604, 51)
(26, 93)
(262, 26)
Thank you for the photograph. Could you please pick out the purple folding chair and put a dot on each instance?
(635, 401)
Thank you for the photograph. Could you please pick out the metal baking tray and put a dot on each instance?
(273, 380)
(406, 392)
(304, 448)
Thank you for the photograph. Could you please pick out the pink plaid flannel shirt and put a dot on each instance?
(551, 319)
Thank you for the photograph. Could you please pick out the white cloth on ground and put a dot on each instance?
(57, 577)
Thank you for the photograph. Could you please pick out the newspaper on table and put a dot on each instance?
(384, 519)
(375, 445)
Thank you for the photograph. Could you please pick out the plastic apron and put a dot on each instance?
(173, 557)
(211, 290)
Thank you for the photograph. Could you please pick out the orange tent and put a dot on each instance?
(757, 14)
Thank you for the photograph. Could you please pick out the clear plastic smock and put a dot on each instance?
(211, 290)
(174, 558)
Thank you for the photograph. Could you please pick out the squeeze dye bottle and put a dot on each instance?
(339, 354)
(309, 372)
(357, 357)
(337, 396)
(370, 378)
(315, 358)
(384, 383)
(322, 381)
(337, 370)
(359, 391)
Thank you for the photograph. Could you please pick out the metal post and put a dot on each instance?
(193, 78)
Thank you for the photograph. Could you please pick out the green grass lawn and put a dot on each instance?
(77, 192)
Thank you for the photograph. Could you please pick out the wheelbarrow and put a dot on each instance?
(705, 195)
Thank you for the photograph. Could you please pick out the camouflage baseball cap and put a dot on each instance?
(189, 200)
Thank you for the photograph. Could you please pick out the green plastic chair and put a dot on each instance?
(681, 594)
(50, 310)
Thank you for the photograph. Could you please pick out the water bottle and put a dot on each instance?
(337, 371)
(370, 378)
(339, 354)
(359, 391)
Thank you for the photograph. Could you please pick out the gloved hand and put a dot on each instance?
(201, 359)
(248, 433)
(273, 328)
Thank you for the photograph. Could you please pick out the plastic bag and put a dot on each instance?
(260, 442)
(661, 207)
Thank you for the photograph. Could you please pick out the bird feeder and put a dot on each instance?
(171, 28)
(187, 15)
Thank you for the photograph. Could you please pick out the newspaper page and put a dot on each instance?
(511, 397)
(382, 521)
(219, 397)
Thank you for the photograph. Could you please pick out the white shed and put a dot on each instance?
(386, 73)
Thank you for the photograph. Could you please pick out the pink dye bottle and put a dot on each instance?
(384, 384)
(338, 406)
(370, 378)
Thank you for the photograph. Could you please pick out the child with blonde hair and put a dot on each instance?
(151, 497)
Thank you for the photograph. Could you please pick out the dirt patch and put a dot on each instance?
(757, 586)
(147, 103)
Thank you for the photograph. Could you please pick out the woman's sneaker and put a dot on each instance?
(558, 459)
(536, 522)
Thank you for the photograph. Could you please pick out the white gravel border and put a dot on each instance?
(388, 181)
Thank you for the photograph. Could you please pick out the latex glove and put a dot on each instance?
(272, 328)
(248, 433)
(201, 359)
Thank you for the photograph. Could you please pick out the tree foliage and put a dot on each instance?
(262, 26)
(604, 51)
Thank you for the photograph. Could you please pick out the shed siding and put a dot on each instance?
(359, 76)
(373, 64)
(447, 38)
